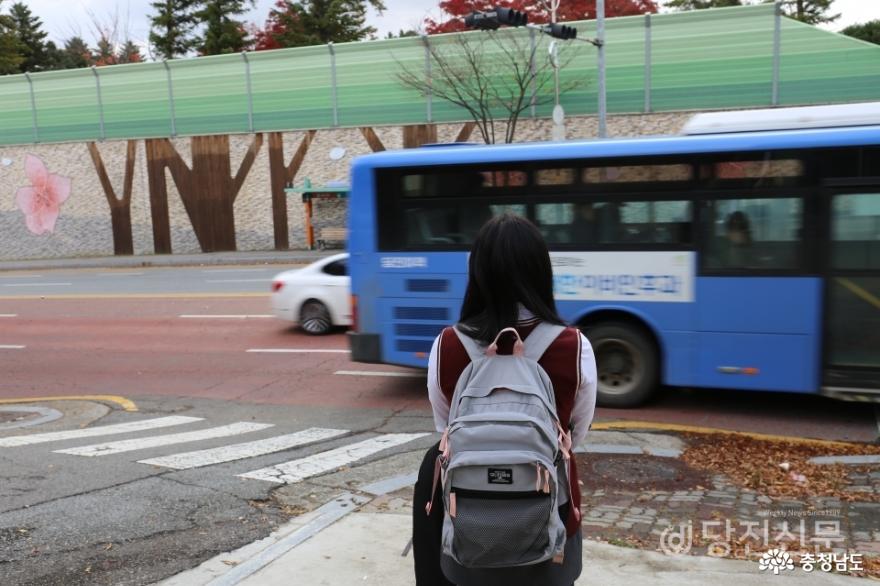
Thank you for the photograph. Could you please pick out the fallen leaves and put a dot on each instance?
(758, 464)
(229, 562)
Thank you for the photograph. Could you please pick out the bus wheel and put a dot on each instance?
(626, 364)
(315, 318)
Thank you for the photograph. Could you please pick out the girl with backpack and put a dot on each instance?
(513, 391)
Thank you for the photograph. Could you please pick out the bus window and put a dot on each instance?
(640, 222)
(637, 174)
(449, 226)
(855, 232)
(752, 233)
(754, 173)
(554, 177)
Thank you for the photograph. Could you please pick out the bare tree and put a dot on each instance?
(488, 73)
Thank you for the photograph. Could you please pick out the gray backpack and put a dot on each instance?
(499, 458)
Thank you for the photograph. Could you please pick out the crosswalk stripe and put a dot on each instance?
(246, 450)
(133, 426)
(164, 440)
(298, 470)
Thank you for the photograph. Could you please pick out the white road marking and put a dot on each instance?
(379, 373)
(227, 316)
(304, 350)
(8, 315)
(35, 284)
(245, 450)
(236, 271)
(163, 440)
(240, 281)
(97, 431)
(298, 470)
(117, 274)
(11, 347)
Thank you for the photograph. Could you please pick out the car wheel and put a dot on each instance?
(314, 318)
(627, 364)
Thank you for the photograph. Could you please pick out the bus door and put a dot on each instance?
(852, 292)
(758, 308)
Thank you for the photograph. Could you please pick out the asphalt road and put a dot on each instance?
(70, 519)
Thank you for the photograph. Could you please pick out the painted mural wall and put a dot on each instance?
(214, 193)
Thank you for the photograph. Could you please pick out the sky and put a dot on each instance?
(65, 18)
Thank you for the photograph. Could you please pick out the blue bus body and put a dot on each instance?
(735, 331)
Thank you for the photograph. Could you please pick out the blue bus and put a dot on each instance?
(734, 256)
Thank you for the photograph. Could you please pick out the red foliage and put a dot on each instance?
(455, 11)
(265, 38)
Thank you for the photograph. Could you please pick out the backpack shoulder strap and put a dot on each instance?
(540, 339)
(474, 350)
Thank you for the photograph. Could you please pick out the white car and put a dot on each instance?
(317, 297)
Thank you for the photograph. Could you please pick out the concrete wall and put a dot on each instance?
(84, 228)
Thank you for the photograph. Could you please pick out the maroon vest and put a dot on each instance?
(561, 361)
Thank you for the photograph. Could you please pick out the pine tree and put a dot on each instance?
(29, 30)
(129, 53)
(172, 28)
(222, 33)
(13, 51)
(870, 31)
(76, 54)
(809, 11)
(318, 22)
(701, 4)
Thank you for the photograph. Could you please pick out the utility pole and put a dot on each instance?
(600, 37)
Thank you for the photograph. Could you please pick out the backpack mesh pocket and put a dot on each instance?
(500, 529)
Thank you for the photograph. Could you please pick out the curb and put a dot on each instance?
(622, 425)
(126, 404)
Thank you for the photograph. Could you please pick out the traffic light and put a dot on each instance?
(490, 21)
(512, 17)
(560, 31)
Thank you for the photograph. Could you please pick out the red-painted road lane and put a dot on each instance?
(136, 347)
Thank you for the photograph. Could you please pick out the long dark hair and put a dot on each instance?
(509, 265)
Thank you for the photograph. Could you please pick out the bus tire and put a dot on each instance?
(627, 364)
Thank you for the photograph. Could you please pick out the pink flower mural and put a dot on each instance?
(41, 203)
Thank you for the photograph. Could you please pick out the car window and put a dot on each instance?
(337, 268)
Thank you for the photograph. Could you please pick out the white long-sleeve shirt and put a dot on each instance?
(584, 404)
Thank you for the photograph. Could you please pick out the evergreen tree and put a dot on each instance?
(13, 51)
(76, 54)
(29, 30)
(318, 22)
(809, 11)
(172, 28)
(129, 53)
(222, 33)
(870, 31)
(402, 34)
(701, 4)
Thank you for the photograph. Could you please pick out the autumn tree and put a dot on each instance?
(454, 11)
(870, 31)
(302, 23)
(489, 73)
(222, 33)
(172, 28)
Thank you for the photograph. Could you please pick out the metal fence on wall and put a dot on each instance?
(726, 58)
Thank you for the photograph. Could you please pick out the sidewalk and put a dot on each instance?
(172, 260)
(361, 536)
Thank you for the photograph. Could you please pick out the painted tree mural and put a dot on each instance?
(281, 174)
(120, 208)
(208, 190)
